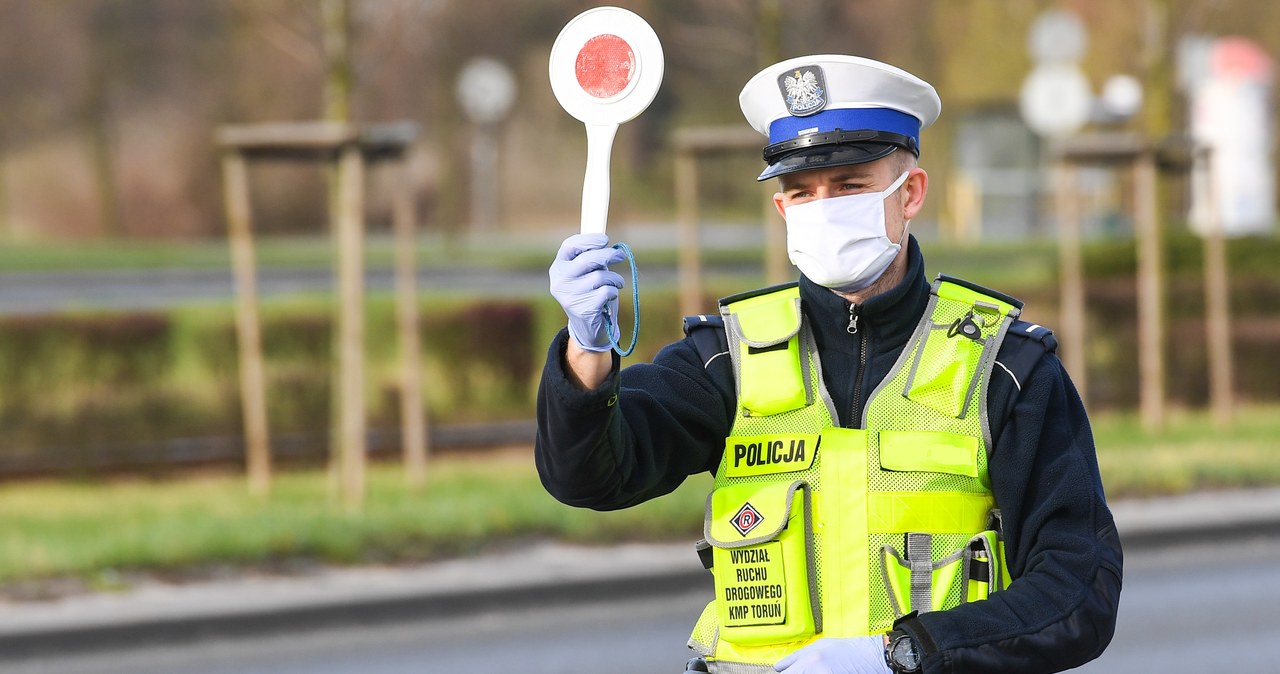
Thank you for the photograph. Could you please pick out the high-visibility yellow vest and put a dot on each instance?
(814, 530)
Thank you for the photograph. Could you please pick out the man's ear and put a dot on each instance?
(913, 192)
(777, 203)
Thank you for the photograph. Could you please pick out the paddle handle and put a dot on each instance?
(595, 184)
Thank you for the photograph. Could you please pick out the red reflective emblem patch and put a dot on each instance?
(605, 65)
(746, 519)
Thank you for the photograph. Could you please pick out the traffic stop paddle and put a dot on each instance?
(606, 66)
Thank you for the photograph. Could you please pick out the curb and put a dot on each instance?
(544, 575)
(1201, 517)
(86, 637)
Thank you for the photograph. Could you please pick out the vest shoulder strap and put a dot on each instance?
(731, 299)
(768, 351)
(979, 290)
(1024, 343)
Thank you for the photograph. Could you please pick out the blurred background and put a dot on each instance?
(110, 107)
(108, 161)
(1112, 164)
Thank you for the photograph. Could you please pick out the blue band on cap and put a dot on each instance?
(849, 119)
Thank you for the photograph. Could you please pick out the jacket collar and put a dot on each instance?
(891, 315)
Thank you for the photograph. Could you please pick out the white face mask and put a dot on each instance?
(841, 242)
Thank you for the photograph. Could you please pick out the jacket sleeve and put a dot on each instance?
(1061, 543)
(638, 436)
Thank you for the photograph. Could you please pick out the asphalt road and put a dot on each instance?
(1189, 609)
(45, 292)
(1198, 609)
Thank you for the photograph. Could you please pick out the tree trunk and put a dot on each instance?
(346, 231)
(96, 125)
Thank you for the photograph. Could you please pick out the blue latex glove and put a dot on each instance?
(858, 655)
(584, 286)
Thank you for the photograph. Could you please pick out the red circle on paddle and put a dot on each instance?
(605, 65)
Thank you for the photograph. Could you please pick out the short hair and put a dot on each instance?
(903, 161)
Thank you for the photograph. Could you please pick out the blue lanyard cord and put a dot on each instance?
(635, 307)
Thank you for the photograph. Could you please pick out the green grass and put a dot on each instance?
(81, 529)
(97, 530)
(1191, 453)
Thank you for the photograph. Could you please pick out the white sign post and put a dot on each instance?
(486, 89)
(1055, 102)
(1055, 99)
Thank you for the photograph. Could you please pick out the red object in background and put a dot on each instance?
(1241, 58)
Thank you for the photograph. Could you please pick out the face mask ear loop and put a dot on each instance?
(896, 184)
(889, 192)
(635, 307)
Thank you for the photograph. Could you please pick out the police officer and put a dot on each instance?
(905, 478)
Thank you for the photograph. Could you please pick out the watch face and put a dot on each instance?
(904, 654)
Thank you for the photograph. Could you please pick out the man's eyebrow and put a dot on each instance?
(850, 175)
(834, 178)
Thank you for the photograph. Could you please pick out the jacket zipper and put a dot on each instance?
(856, 420)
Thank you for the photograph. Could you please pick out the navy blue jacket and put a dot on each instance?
(652, 424)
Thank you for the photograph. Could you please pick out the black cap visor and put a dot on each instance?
(835, 148)
(824, 157)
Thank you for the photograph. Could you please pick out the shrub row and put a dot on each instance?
(91, 389)
(88, 389)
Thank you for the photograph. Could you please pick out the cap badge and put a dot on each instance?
(804, 90)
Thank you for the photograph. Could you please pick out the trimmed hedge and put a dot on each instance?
(90, 390)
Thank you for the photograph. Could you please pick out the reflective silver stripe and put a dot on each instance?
(920, 560)
(1016, 383)
(725, 667)
(713, 358)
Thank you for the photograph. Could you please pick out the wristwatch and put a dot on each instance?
(902, 655)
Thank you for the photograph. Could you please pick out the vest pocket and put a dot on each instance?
(915, 581)
(944, 370)
(982, 567)
(929, 451)
(772, 368)
(761, 538)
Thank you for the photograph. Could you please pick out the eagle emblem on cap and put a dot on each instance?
(804, 90)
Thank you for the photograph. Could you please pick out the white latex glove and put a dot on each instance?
(857, 655)
(584, 286)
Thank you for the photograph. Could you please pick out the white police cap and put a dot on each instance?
(834, 110)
